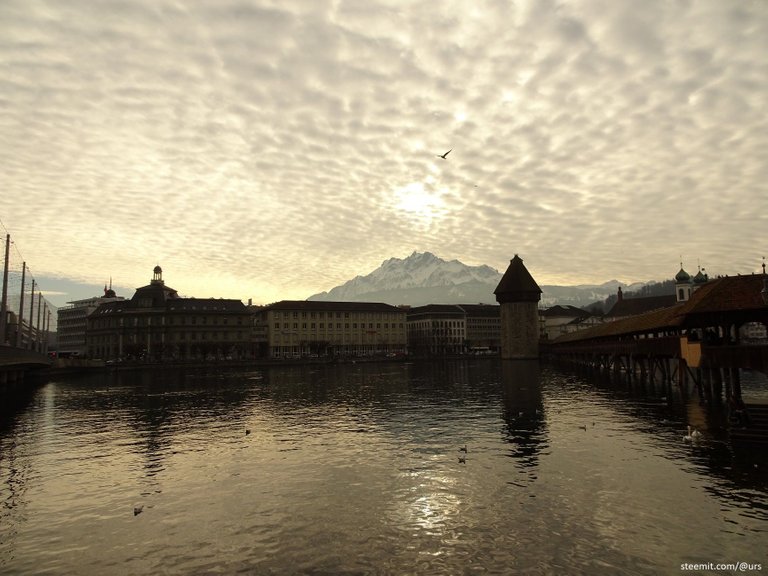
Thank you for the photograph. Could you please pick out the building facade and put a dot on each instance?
(157, 324)
(564, 319)
(72, 322)
(483, 326)
(437, 330)
(306, 329)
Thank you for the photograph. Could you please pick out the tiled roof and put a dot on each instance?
(319, 305)
(662, 319)
(517, 284)
(451, 309)
(484, 310)
(717, 301)
(176, 305)
(633, 306)
(564, 311)
(730, 293)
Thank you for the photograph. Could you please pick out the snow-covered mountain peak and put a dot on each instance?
(423, 278)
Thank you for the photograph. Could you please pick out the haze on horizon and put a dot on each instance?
(276, 149)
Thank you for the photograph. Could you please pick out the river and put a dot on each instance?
(362, 469)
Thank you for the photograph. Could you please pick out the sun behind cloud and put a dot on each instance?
(419, 204)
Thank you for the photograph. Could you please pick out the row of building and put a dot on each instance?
(158, 324)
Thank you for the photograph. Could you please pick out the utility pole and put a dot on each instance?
(20, 331)
(4, 303)
(39, 338)
(31, 314)
(47, 321)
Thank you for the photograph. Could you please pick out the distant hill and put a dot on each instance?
(423, 278)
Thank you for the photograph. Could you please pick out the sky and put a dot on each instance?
(271, 150)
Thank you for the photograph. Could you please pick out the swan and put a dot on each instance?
(137, 510)
(692, 436)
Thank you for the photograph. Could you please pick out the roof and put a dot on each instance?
(157, 292)
(517, 284)
(321, 305)
(634, 306)
(436, 309)
(682, 276)
(718, 301)
(729, 294)
(657, 320)
(567, 311)
(176, 305)
(484, 310)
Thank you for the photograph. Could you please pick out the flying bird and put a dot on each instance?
(444, 155)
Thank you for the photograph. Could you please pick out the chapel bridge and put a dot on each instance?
(698, 341)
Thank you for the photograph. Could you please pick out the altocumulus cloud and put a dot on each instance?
(273, 149)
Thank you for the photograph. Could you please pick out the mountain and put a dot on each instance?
(423, 278)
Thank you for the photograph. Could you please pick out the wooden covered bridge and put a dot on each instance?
(699, 340)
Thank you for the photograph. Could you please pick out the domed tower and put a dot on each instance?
(683, 285)
(518, 294)
(700, 278)
(108, 292)
(157, 277)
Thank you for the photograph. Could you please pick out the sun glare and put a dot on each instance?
(419, 204)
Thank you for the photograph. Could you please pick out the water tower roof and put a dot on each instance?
(517, 284)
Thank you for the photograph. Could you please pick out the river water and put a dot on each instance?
(359, 469)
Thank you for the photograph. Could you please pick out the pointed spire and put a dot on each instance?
(517, 284)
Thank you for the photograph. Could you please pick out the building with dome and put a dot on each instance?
(72, 322)
(685, 284)
(157, 324)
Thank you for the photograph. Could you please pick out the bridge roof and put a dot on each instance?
(724, 300)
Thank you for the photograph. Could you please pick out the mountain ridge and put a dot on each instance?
(423, 278)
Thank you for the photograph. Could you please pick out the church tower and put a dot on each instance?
(518, 294)
(683, 285)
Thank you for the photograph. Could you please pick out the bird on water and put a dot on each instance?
(692, 436)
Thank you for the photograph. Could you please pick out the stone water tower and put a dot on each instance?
(518, 294)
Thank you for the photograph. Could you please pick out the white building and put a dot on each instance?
(72, 322)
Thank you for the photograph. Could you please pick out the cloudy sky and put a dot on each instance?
(272, 149)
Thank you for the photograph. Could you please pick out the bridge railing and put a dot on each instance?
(665, 346)
(13, 356)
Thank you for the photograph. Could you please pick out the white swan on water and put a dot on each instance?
(692, 436)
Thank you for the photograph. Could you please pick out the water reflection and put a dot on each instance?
(523, 410)
(359, 469)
